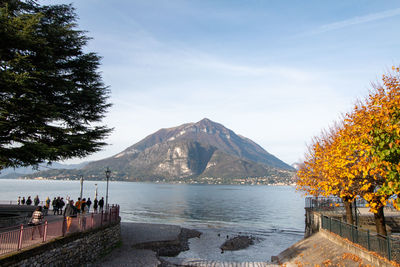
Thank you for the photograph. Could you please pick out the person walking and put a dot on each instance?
(23, 201)
(29, 201)
(95, 205)
(36, 200)
(19, 200)
(70, 212)
(36, 221)
(101, 204)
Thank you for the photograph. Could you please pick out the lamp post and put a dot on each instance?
(95, 192)
(81, 186)
(108, 173)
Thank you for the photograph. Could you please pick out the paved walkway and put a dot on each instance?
(204, 263)
(319, 251)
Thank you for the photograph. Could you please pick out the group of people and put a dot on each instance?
(28, 201)
(81, 206)
(58, 203)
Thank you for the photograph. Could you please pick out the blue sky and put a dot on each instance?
(277, 72)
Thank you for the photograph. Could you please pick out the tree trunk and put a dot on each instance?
(380, 222)
(349, 212)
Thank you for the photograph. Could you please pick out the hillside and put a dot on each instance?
(192, 151)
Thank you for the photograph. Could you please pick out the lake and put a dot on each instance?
(273, 215)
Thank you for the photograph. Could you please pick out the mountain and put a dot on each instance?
(9, 173)
(201, 150)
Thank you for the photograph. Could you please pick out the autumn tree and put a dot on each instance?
(52, 98)
(322, 174)
(362, 158)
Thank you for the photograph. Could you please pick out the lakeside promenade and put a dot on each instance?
(14, 238)
(145, 245)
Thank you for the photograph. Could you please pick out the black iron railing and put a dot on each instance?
(386, 246)
(330, 203)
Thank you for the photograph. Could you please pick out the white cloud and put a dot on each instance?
(354, 21)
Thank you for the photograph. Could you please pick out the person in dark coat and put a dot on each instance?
(36, 200)
(61, 205)
(70, 212)
(95, 205)
(88, 203)
(29, 201)
(101, 204)
(83, 205)
(55, 206)
(23, 201)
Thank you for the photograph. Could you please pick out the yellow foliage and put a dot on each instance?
(348, 160)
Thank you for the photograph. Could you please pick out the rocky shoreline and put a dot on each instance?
(157, 245)
(171, 248)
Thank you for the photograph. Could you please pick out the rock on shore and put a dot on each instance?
(171, 248)
(237, 243)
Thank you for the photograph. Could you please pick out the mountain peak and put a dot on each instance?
(206, 120)
(208, 125)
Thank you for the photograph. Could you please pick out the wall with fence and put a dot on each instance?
(328, 214)
(386, 246)
(65, 242)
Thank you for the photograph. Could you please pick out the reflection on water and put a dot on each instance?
(274, 215)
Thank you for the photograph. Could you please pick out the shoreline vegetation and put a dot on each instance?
(208, 181)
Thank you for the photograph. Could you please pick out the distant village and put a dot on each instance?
(272, 180)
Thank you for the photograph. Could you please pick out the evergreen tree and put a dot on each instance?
(52, 98)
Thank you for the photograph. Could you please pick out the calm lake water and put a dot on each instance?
(273, 215)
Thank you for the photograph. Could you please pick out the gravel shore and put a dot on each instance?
(142, 244)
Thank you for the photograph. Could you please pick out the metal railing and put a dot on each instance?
(335, 203)
(386, 246)
(330, 203)
(25, 236)
(15, 202)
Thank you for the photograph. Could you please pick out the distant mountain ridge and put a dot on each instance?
(21, 171)
(190, 151)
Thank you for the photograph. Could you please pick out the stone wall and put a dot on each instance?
(12, 220)
(313, 222)
(73, 250)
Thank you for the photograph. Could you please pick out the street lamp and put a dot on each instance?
(108, 174)
(95, 192)
(81, 185)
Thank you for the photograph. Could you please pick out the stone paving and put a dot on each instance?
(204, 263)
(319, 251)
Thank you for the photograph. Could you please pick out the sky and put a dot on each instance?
(277, 72)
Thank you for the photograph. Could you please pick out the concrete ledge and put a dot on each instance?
(358, 250)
